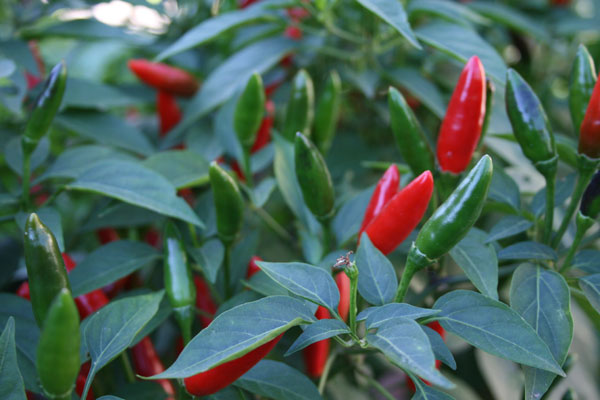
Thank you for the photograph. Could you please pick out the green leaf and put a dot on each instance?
(183, 168)
(377, 316)
(564, 188)
(109, 263)
(478, 261)
(13, 154)
(425, 392)
(317, 331)
(542, 298)
(83, 93)
(222, 83)
(447, 10)
(209, 257)
(111, 329)
(88, 28)
(51, 218)
(134, 184)
(508, 226)
(527, 251)
(510, 17)
(306, 281)
(428, 93)
(285, 173)
(262, 191)
(462, 43)
(210, 29)
(405, 344)
(440, 350)
(121, 215)
(377, 281)
(164, 312)
(591, 287)
(392, 12)
(27, 336)
(11, 381)
(278, 381)
(230, 335)
(261, 283)
(345, 223)
(588, 261)
(72, 162)
(495, 328)
(106, 129)
(504, 189)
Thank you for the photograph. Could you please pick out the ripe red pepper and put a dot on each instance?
(264, 131)
(401, 214)
(169, 113)
(315, 355)
(219, 377)
(343, 283)
(204, 302)
(164, 77)
(589, 133)
(147, 363)
(462, 124)
(252, 267)
(386, 188)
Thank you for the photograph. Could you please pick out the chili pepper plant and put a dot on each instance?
(290, 199)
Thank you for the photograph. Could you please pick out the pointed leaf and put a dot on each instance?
(479, 262)
(405, 344)
(306, 281)
(183, 168)
(392, 12)
(278, 381)
(527, 251)
(440, 350)
(376, 316)
(495, 328)
(238, 331)
(377, 281)
(591, 287)
(542, 298)
(508, 226)
(11, 381)
(425, 392)
(209, 257)
(588, 261)
(320, 330)
(504, 189)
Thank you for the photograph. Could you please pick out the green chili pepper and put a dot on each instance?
(490, 89)
(57, 359)
(249, 111)
(328, 112)
(530, 123)
(583, 79)
(229, 203)
(449, 223)
(411, 140)
(45, 108)
(45, 267)
(179, 282)
(299, 112)
(313, 177)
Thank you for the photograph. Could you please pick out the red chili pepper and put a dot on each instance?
(204, 302)
(386, 188)
(147, 363)
(315, 355)
(589, 133)
(252, 267)
(169, 113)
(80, 382)
(219, 377)
(246, 3)
(164, 77)
(107, 235)
(264, 132)
(152, 237)
(188, 196)
(401, 214)
(343, 283)
(461, 127)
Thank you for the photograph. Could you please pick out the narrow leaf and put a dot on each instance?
(587, 261)
(527, 251)
(440, 350)
(377, 281)
(392, 12)
(508, 226)
(320, 330)
(11, 381)
(591, 287)
(376, 316)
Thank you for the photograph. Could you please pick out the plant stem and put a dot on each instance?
(227, 270)
(272, 223)
(583, 224)
(26, 177)
(409, 271)
(549, 215)
(129, 374)
(584, 178)
(353, 305)
(326, 370)
(326, 228)
(247, 168)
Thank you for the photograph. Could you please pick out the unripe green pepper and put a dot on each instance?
(530, 123)
(328, 112)
(581, 85)
(299, 112)
(58, 359)
(229, 204)
(590, 202)
(449, 223)
(45, 108)
(313, 177)
(249, 111)
(45, 267)
(179, 282)
(411, 140)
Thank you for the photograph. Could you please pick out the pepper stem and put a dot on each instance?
(352, 272)
(583, 224)
(246, 167)
(26, 177)
(549, 214)
(414, 262)
(326, 370)
(327, 239)
(227, 271)
(585, 168)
